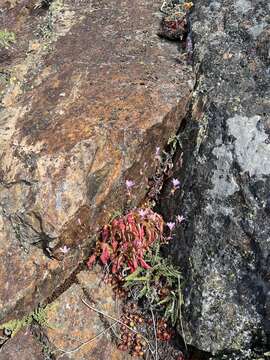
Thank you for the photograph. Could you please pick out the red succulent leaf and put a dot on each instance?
(114, 244)
(105, 233)
(114, 268)
(125, 246)
(134, 229)
(126, 240)
(130, 218)
(135, 263)
(141, 231)
(136, 244)
(91, 261)
(119, 262)
(105, 256)
(131, 266)
(140, 253)
(144, 264)
(121, 225)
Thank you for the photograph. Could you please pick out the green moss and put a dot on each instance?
(39, 316)
(16, 325)
(7, 38)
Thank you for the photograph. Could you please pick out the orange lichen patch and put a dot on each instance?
(85, 115)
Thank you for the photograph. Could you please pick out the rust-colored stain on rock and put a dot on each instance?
(89, 110)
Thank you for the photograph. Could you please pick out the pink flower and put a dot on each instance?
(176, 183)
(91, 261)
(179, 219)
(171, 225)
(129, 184)
(157, 151)
(64, 249)
(142, 213)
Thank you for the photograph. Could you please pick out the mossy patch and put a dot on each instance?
(7, 38)
(39, 316)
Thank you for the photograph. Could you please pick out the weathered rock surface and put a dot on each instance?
(23, 346)
(73, 323)
(224, 245)
(72, 330)
(87, 92)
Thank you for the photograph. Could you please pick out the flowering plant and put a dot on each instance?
(124, 242)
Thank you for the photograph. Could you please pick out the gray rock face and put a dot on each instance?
(224, 245)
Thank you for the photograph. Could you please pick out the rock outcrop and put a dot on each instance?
(25, 345)
(72, 330)
(223, 246)
(88, 91)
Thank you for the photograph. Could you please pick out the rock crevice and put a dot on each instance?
(92, 92)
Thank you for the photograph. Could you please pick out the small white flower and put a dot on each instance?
(179, 219)
(64, 249)
(129, 184)
(176, 183)
(170, 225)
(142, 213)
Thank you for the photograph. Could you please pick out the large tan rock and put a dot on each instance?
(79, 333)
(89, 93)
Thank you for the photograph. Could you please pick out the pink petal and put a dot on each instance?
(91, 261)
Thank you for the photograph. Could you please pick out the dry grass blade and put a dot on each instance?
(155, 332)
(86, 342)
(180, 310)
(120, 322)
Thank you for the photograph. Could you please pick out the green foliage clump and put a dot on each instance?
(39, 316)
(159, 285)
(7, 38)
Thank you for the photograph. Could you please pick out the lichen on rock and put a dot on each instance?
(83, 109)
(224, 246)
